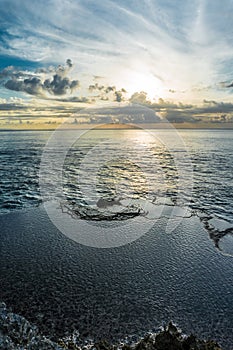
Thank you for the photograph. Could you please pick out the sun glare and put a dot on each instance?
(143, 81)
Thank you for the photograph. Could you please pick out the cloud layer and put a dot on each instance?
(34, 84)
(209, 112)
(153, 53)
(184, 45)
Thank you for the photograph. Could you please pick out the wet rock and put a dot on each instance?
(171, 338)
(93, 214)
(16, 333)
(102, 345)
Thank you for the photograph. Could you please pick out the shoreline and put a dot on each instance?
(16, 331)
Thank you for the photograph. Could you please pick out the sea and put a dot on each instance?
(178, 267)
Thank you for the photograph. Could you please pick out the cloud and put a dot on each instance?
(75, 99)
(32, 86)
(178, 116)
(69, 63)
(119, 96)
(141, 98)
(226, 84)
(11, 107)
(13, 104)
(13, 72)
(182, 49)
(208, 111)
(216, 107)
(35, 84)
(106, 91)
(133, 114)
(96, 87)
(59, 85)
(15, 109)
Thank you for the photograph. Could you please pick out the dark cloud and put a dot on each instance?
(225, 84)
(119, 95)
(224, 118)
(215, 107)
(110, 89)
(74, 99)
(11, 107)
(178, 116)
(60, 85)
(96, 87)
(134, 114)
(33, 84)
(179, 113)
(69, 63)
(106, 91)
(209, 111)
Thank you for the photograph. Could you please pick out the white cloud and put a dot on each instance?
(185, 44)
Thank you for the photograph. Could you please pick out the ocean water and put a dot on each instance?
(122, 164)
(103, 176)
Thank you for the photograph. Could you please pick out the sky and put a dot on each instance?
(58, 56)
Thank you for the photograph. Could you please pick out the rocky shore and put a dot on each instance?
(16, 333)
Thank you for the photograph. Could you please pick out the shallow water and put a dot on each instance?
(122, 164)
(61, 285)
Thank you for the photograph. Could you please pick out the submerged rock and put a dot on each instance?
(16, 333)
(104, 203)
(102, 211)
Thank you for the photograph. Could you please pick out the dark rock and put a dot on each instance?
(102, 345)
(168, 341)
(16, 333)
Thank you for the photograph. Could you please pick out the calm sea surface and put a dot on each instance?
(151, 173)
(62, 285)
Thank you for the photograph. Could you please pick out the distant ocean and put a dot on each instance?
(185, 276)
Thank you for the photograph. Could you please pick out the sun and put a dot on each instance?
(143, 80)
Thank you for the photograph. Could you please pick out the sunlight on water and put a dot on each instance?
(179, 276)
(132, 165)
(113, 165)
